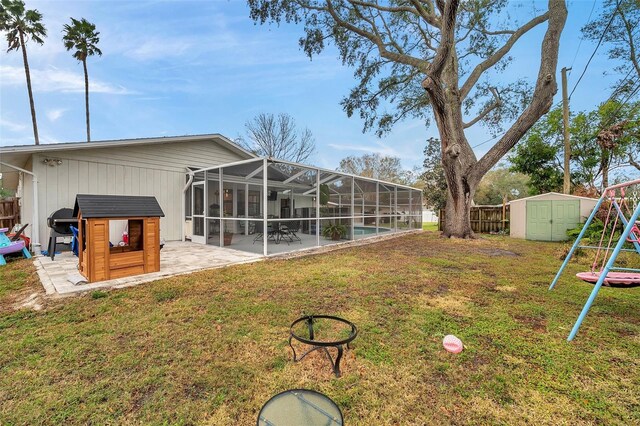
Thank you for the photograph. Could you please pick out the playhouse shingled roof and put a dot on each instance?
(108, 206)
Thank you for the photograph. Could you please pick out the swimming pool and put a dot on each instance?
(368, 230)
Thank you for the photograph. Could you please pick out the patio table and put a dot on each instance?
(300, 407)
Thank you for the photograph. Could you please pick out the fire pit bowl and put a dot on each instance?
(317, 334)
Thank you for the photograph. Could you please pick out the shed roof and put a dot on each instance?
(575, 197)
(116, 206)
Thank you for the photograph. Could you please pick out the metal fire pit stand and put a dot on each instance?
(320, 344)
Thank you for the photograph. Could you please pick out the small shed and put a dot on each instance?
(99, 259)
(547, 217)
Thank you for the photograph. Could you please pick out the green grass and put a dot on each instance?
(430, 226)
(211, 347)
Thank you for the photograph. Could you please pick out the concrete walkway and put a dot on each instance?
(176, 258)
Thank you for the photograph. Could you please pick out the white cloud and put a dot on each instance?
(158, 48)
(379, 149)
(56, 80)
(11, 126)
(55, 114)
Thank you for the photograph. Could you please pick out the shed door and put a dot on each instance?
(539, 220)
(549, 220)
(565, 215)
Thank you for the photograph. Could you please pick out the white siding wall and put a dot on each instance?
(157, 170)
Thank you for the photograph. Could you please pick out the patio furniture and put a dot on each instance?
(323, 343)
(58, 223)
(74, 241)
(300, 407)
(7, 246)
(290, 231)
(259, 230)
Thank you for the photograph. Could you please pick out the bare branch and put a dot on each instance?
(499, 54)
(495, 104)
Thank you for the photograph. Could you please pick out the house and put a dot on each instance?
(212, 192)
(48, 177)
(547, 217)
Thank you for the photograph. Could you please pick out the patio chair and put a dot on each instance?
(259, 232)
(74, 240)
(290, 231)
(276, 232)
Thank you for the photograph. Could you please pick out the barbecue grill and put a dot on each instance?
(59, 222)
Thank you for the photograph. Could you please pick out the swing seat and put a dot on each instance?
(613, 279)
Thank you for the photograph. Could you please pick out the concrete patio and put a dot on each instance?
(176, 258)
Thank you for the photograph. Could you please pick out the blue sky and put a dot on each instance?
(176, 67)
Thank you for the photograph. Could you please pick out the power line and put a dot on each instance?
(593, 6)
(482, 143)
(613, 15)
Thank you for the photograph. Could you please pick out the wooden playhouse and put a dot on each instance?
(98, 217)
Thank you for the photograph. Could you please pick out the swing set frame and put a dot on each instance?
(628, 234)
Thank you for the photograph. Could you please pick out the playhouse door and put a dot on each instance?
(197, 207)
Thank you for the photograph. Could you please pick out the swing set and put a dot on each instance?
(621, 213)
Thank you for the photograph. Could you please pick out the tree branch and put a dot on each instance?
(495, 104)
(632, 48)
(428, 16)
(447, 38)
(542, 99)
(396, 57)
(499, 54)
(633, 162)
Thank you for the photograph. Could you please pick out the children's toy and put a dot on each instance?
(7, 246)
(452, 344)
(620, 228)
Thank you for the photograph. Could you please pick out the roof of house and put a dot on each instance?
(108, 206)
(18, 155)
(577, 197)
(123, 142)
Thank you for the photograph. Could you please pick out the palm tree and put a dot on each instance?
(82, 36)
(20, 25)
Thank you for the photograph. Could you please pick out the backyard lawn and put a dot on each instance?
(211, 347)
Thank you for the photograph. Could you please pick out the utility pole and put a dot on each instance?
(565, 121)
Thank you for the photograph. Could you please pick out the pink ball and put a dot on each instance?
(452, 344)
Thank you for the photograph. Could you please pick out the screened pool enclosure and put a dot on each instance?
(271, 206)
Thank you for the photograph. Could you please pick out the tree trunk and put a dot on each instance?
(457, 213)
(605, 169)
(28, 74)
(86, 97)
(461, 168)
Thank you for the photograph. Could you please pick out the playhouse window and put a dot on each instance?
(126, 235)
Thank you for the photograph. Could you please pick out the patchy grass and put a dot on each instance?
(430, 226)
(211, 347)
(18, 279)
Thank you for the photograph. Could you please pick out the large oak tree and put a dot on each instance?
(432, 59)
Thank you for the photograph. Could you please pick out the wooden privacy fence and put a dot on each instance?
(9, 212)
(484, 219)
